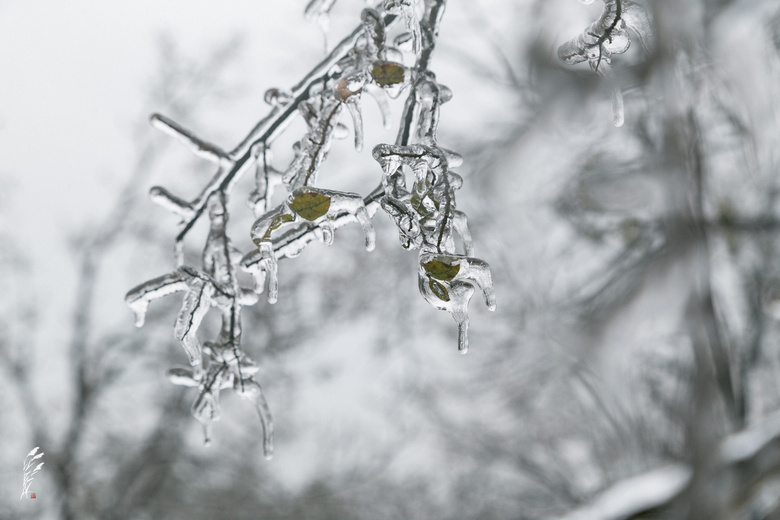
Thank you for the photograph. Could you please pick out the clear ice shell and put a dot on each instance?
(452, 294)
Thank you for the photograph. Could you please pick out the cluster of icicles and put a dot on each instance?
(426, 215)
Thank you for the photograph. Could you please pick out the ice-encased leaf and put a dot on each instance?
(387, 73)
(33, 451)
(441, 270)
(310, 205)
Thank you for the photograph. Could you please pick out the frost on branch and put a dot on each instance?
(607, 36)
(426, 214)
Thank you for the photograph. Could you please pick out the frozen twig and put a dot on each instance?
(362, 61)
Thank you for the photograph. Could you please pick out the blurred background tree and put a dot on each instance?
(633, 353)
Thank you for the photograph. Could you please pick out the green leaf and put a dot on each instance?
(386, 73)
(440, 270)
(310, 206)
(439, 290)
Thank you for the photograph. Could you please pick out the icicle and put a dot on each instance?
(178, 252)
(382, 102)
(353, 105)
(270, 268)
(463, 334)
(605, 71)
(251, 390)
(460, 224)
(618, 111)
(326, 227)
(196, 304)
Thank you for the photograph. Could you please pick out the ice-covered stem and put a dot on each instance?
(429, 27)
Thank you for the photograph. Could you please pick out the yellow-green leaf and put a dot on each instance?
(439, 290)
(440, 270)
(310, 205)
(386, 73)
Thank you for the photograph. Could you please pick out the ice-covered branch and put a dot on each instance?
(608, 36)
(364, 61)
